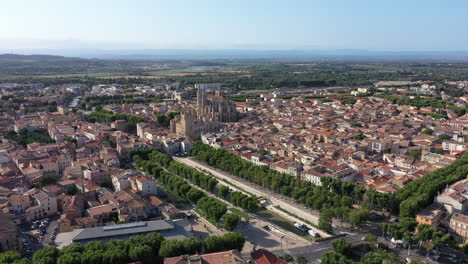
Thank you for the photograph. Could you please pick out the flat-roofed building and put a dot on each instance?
(178, 229)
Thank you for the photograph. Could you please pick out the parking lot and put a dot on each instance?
(37, 234)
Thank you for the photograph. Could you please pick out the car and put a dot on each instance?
(267, 228)
(23, 239)
(453, 260)
(301, 227)
(435, 257)
(313, 233)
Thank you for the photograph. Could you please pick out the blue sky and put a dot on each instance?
(388, 25)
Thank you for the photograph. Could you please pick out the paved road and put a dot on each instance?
(274, 198)
(53, 224)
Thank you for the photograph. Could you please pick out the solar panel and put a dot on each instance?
(124, 226)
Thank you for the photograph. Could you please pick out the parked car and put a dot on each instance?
(267, 228)
(301, 227)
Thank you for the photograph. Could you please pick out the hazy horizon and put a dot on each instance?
(408, 26)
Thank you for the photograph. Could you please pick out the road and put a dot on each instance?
(275, 199)
(51, 228)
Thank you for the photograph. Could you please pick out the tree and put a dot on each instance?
(335, 258)
(230, 221)
(416, 153)
(465, 248)
(228, 241)
(72, 190)
(214, 244)
(154, 240)
(428, 132)
(194, 195)
(356, 217)
(114, 257)
(70, 258)
(72, 248)
(378, 257)
(223, 191)
(143, 253)
(10, 257)
(70, 139)
(302, 259)
(342, 246)
(91, 256)
(192, 245)
(287, 257)
(23, 261)
(212, 208)
(47, 179)
(234, 240)
(94, 246)
(116, 244)
(325, 221)
(47, 255)
(171, 248)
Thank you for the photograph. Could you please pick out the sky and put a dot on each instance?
(393, 25)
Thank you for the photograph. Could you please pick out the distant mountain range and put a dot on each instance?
(181, 54)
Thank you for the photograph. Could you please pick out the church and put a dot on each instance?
(211, 110)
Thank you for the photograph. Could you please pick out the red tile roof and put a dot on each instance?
(263, 256)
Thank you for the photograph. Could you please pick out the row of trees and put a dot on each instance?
(420, 193)
(106, 117)
(179, 188)
(174, 175)
(334, 198)
(195, 176)
(151, 248)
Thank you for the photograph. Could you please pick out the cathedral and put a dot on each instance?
(215, 108)
(210, 111)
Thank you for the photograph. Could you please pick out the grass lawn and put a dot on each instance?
(240, 213)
